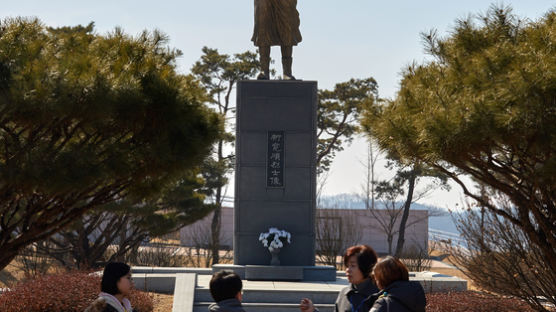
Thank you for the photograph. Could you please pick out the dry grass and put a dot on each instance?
(14, 272)
(162, 302)
(10, 275)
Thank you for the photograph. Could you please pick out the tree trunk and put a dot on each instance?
(215, 233)
(6, 256)
(372, 177)
(369, 196)
(405, 215)
(215, 225)
(390, 238)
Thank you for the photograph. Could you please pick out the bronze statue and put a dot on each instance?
(276, 23)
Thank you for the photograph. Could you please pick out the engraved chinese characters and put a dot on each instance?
(275, 159)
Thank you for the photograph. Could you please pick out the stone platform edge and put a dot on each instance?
(322, 273)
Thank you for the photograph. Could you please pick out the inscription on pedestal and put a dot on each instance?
(275, 161)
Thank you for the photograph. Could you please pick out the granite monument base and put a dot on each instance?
(275, 178)
(280, 273)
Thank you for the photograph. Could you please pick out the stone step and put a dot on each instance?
(318, 296)
(265, 307)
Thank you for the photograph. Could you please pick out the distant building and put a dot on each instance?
(354, 226)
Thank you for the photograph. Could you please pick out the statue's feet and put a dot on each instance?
(262, 76)
(289, 77)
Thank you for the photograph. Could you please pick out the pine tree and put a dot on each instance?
(87, 120)
(485, 107)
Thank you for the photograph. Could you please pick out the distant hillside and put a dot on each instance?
(351, 201)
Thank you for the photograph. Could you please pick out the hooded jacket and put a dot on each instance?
(228, 305)
(401, 296)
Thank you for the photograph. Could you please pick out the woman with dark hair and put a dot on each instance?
(359, 261)
(115, 286)
(398, 294)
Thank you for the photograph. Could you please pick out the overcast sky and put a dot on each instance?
(341, 40)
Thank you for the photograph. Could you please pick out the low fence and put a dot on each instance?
(446, 237)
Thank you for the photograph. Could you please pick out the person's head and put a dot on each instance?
(116, 279)
(389, 270)
(359, 261)
(225, 285)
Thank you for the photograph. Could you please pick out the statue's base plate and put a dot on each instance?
(280, 272)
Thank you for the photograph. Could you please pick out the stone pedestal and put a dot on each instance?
(275, 174)
(280, 273)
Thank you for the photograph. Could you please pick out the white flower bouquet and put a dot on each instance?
(274, 238)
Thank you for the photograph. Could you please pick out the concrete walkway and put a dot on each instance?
(441, 265)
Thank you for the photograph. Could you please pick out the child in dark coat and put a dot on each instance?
(225, 289)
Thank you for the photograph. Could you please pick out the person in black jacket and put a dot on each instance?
(225, 289)
(398, 294)
(359, 261)
(116, 285)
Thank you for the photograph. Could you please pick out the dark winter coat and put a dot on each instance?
(360, 296)
(401, 296)
(228, 305)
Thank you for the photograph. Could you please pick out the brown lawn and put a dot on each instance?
(162, 302)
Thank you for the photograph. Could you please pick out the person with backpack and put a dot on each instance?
(397, 293)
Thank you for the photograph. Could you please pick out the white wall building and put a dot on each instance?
(358, 226)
